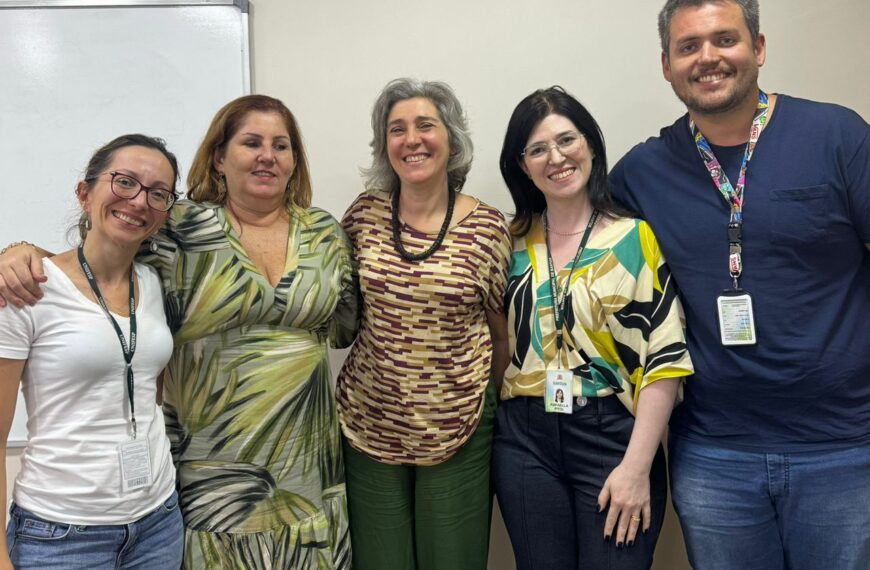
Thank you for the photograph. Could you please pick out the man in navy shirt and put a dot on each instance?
(761, 204)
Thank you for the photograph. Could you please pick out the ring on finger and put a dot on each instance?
(635, 518)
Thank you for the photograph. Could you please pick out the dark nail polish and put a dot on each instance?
(630, 543)
(607, 538)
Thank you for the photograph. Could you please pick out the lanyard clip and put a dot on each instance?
(734, 233)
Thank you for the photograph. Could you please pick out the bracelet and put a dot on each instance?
(15, 244)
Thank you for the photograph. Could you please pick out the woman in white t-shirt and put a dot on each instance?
(97, 485)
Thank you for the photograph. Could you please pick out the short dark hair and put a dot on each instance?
(750, 16)
(528, 199)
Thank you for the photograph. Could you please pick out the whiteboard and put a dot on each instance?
(77, 74)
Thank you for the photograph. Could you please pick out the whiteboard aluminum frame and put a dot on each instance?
(242, 5)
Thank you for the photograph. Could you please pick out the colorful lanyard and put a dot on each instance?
(732, 195)
(559, 300)
(130, 350)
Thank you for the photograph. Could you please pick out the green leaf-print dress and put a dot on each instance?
(249, 404)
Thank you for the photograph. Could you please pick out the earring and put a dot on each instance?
(153, 246)
(84, 225)
(221, 186)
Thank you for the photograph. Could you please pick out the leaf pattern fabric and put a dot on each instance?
(249, 404)
(623, 322)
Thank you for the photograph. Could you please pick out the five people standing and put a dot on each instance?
(586, 329)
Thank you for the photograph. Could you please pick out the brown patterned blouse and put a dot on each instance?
(411, 390)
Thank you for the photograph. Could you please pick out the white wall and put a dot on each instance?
(328, 60)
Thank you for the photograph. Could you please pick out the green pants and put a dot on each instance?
(405, 517)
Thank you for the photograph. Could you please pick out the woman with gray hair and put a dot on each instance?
(415, 399)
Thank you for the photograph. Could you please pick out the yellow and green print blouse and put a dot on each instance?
(623, 321)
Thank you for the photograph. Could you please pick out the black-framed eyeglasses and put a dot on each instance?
(127, 187)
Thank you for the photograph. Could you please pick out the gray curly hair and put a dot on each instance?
(380, 175)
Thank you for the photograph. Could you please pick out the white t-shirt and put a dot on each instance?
(77, 405)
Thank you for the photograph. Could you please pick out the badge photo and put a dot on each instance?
(558, 395)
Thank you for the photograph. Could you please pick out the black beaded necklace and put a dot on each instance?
(397, 229)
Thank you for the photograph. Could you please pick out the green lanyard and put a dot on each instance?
(130, 350)
(559, 300)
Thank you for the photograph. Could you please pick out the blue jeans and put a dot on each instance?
(548, 471)
(154, 542)
(771, 511)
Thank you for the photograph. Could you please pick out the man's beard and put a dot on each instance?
(734, 98)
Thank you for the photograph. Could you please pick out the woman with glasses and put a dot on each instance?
(97, 487)
(593, 312)
(256, 282)
(415, 398)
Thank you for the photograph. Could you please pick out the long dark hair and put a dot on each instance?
(528, 199)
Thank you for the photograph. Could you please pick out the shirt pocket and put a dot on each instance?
(800, 215)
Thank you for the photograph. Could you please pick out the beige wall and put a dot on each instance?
(327, 60)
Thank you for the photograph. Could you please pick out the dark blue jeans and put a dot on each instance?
(772, 511)
(548, 471)
(154, 542)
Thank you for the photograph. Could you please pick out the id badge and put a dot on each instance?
(135, 457)
(736, 321)
(559, 393)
